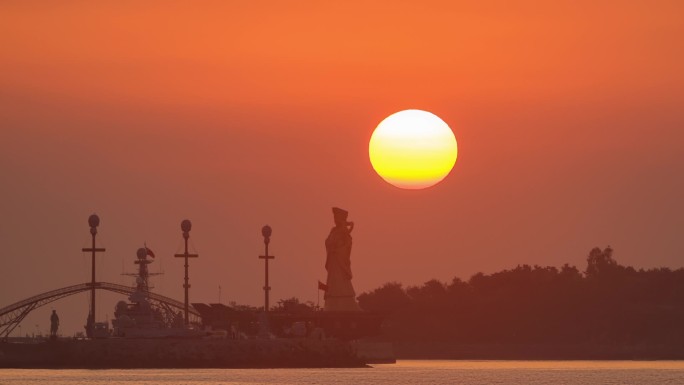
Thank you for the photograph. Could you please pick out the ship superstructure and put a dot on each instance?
(144, 317)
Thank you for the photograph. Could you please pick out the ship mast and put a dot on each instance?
(142, 281)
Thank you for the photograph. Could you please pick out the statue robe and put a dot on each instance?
(340, 295)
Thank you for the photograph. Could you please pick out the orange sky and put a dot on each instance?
(568, 117)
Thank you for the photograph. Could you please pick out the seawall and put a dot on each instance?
(180, 353)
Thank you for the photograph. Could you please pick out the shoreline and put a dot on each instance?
(541, 352)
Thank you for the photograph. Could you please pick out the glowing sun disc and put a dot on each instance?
(413, 149)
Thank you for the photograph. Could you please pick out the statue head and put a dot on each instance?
(340, 216)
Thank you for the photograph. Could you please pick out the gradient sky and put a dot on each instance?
(569, 117)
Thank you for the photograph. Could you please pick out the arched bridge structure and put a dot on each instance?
(12, 315)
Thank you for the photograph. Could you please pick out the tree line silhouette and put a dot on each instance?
(607, 304)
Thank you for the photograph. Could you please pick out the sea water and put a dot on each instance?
(403, 372)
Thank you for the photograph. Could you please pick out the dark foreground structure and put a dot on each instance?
(180, 353)
(153, 331)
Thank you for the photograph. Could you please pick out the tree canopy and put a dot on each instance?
(606, 304)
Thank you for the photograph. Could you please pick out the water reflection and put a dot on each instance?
(404, 372)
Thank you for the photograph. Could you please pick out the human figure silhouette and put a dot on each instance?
(54, 324)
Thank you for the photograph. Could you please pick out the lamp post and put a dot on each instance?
(186, 226)
(93, 221)
(266, 232)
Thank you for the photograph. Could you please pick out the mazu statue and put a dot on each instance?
(340, 295)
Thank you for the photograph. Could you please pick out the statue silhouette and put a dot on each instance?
(340, 295)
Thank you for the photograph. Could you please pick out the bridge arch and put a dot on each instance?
(12, 315)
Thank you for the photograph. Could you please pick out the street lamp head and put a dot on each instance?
(266, 231)
(142, 253)
(186, 225)
(94, 220)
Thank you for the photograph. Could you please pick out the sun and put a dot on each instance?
(413, 149)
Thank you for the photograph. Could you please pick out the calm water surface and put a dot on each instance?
(404, 372)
